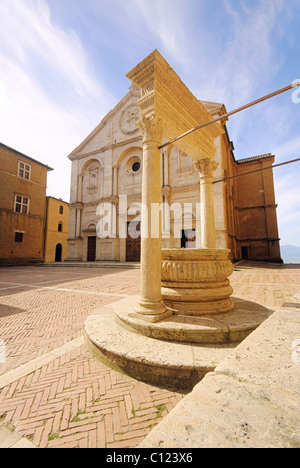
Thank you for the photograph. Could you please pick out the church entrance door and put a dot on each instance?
(91, 254)
(133, 242)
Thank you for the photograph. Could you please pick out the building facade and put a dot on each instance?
(56, 232)
(107, 171)
(23, 183)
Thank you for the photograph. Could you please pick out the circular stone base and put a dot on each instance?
(133, 347)
(229, 327)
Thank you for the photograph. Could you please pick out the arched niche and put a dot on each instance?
(129, 171)
(92, 181)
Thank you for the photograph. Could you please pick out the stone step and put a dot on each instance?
(100, 264)
(161, 363)
(176, 352)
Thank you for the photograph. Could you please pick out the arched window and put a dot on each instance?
(60, 227)
(61, 209)
(133, 165)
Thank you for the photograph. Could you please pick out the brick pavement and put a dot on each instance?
(65, 398)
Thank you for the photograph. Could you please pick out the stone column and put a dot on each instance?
(115, 181)
(78, 221)
(150, 306)
(79, 187)
(206, 167)
(165, 153)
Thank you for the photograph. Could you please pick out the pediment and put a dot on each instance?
(118, 125)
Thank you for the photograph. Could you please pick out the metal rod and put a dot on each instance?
(256, 170)
(253, 103)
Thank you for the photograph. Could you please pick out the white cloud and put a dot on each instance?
(245, 58)
(49, 96)
(155, 24)
(289, 149)
(166, 21)
(28, 36)
(288, 200)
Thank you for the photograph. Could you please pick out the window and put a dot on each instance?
(136, 166)
(18, 236)
(60, 227)
(24, 170)
(61, 209)
(133, 165)
(245, 253)
(21, 204)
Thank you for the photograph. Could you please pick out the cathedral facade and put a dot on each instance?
(106, 185)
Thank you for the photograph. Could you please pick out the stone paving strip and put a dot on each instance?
(31, 366)
(10, 439)
(53, 288)
(252, 398)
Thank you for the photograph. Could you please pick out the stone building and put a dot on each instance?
(56, 232)
(23, 183)
(107, 170)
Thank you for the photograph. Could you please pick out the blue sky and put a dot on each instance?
(63, 66)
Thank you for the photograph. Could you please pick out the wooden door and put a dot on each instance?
(133, 242)
(91, 254)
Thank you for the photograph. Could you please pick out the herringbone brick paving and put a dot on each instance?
(74, 400)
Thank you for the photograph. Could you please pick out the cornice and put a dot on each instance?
(164, 93)
(137, 139)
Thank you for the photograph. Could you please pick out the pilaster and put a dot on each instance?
(206, 168)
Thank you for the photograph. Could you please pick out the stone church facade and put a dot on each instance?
(107, 171)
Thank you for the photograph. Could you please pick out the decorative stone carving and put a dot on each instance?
(166, 191)
(151, 128)
(206, 167)
(129, 118)
(163, 92)
(195, 281)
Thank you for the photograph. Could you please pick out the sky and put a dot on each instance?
(63, 65)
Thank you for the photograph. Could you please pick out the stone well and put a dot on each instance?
(195, 281)
(203, 325)
(184, 321)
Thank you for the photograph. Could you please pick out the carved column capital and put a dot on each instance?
(165, 191)
(166, 151)
(206, 167)
(151, 128)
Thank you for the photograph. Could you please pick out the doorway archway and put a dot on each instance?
(58, 253)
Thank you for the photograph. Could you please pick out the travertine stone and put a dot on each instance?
(150, 303)
(206, 168)
(177, 351)
(250, 401)
(195, 281)
(163, 363)
(163, 92)
(167, 109)
(230, 327)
